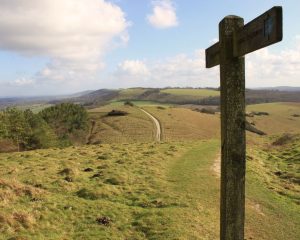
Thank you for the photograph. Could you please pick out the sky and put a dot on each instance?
(54, 47)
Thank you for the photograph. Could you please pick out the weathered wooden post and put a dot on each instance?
(232, 73)
(236, 40)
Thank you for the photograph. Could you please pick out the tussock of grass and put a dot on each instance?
(138, 191)
(127, 186)
(284, 139)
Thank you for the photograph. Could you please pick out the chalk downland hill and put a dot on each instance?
(125, 185)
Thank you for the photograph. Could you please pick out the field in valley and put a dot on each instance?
(192, 92)
(124, 185)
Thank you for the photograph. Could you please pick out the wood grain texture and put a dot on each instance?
(232, 133)
(262, 31)
(212, 55)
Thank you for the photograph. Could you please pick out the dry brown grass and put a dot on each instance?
(7, 145)
(15, 221)
(279, 120)
(185, 124)
(12, 189)
(23, 218)
(134, 127)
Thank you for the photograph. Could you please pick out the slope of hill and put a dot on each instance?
(135, 126)
(282, 88)
(183, 96)
(135, 188)
(180, 123)
(132, 191)
(185, 124)
(204, 96)
(281, 118)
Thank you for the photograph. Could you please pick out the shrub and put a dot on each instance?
(87, 194)
(116, 113)
(207, 111)
(284, 139)
(128, 103)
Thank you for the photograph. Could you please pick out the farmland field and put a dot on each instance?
(130, 93)
(192, 92)
(139, 103)
(35, 107)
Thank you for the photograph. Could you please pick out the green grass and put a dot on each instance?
(147, 191)
(279, 120)
(136, 126)
(130, 93)
(35, 108)
(272, 212)
(282, 164)
(193, 180)
(192, 92)
(184, 124)
(53, 197)
(139, 103)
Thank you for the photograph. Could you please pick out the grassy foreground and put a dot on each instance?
(132, 191)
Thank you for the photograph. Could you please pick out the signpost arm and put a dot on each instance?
(232, 71)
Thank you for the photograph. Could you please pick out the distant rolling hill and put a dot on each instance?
(200, 96)
(282, 88)
(34, 100)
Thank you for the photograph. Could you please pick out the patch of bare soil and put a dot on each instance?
(216, 167)
(255, 206)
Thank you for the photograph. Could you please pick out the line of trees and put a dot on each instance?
(52, 127)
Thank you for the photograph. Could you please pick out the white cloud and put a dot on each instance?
(74, 35)
(264, 68)
(163, 15)
(178, 71)
(23, 81)
(134, 67)
(184, 70)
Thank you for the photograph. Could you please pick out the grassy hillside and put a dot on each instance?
(139, 103)
(134, 127)
(177, 124)
(191, 92)
(183, 124)
(35, 108)
(134, 188)
(131, 191)
(162, 95)
(280, 119)
(181, 96)
(131, 93)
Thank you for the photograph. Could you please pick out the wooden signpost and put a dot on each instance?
(236, 40)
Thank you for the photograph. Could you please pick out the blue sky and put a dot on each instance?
(77, 45)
